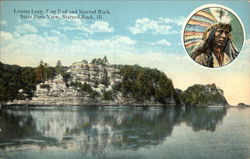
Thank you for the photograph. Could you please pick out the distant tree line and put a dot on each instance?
(20, 82)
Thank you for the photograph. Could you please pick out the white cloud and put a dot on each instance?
(123, 40)
(49, 47)
(111, 42)
(163, 42)
(3, 23)
(5, 35)
(57, 34)
(79, 25)
(29, 49)
(103, 46)
(100, 26)
(159, 26)
(26, 28)
(178, 21)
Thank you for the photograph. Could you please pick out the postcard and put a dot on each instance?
(124, 79)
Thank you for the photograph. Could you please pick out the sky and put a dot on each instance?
(147, 33)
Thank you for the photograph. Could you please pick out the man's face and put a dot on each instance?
(221, 37)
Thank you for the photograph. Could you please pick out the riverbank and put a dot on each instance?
(108, 104)
(87, 103)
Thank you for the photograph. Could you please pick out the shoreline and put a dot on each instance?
(118, 105)
(30, 103)
(90, 105)
(85, 103)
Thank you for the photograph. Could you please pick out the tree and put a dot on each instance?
(58, 64)
(59, 67)
(40, 73)
(28, 80)
(66, 77)
(144, 84)
(10, 82)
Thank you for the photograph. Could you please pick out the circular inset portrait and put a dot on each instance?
(213, 36)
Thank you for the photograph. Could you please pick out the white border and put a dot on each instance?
(211, 6)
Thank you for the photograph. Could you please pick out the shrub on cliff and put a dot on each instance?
(84, 88)
(107, 95)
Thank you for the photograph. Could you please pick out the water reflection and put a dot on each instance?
(98, 130)
(204, 119)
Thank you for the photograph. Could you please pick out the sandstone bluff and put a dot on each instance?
(99, 83)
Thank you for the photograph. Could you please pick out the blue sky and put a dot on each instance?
(142, 32)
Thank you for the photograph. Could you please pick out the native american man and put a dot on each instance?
(217, 48)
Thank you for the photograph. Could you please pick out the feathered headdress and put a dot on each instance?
(203, 21)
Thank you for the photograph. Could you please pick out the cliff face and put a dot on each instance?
(94, 73)
(99, 83)
(97, 76)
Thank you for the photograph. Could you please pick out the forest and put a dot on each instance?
(20, 82)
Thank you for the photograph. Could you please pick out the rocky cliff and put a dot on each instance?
(82, 84)
(99, 83)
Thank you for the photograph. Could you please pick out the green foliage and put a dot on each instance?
(14, 78)
(99, 61)
(104, 81)
(8, 81)
(66, 77)
(45, 86)
(50, 73)
(43, 72)
(107, 95)
(84, 88)
(93, 94)
(202, 95)
(60, 69)
(177, 97)
(144, 84)
(40, 73)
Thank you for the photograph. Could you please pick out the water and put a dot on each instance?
(124, 133)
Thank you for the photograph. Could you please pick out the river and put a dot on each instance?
(124, 133)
